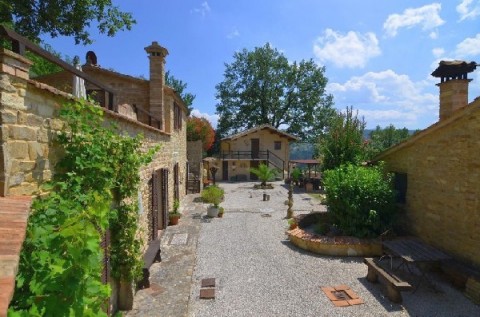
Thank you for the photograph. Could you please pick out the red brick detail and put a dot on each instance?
(13, 223)
(208, 282)
(207, 293)
(340, 303)
(341, 287)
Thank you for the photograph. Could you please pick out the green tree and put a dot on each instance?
(179, 86)
(343, 143)
(264, 173)
(382, 139)
(64, 18)
(263, 87)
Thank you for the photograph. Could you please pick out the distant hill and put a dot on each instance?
(301, 151)
(304, 151)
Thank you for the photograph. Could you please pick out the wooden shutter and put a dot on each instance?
(176, 181)
(164, 197)
(156, 186)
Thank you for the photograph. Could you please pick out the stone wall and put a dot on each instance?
(443, 176)
(29, 122)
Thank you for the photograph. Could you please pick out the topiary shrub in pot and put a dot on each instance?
(360, 199)
(174, 215)
(213, 195)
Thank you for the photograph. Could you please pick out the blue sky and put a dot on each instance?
(378, 54)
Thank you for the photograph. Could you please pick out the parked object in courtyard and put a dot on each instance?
(213, 195)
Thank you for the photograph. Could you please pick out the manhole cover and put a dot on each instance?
(342, 296)
(179, 238)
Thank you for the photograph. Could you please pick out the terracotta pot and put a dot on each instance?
(220, 215)
(173, 220)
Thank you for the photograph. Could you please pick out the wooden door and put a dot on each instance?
(254, 177)
(225, 170)
(164, 199)
(255, 148)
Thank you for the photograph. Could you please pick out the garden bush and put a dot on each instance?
(360, 200)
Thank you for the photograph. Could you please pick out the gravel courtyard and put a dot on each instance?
(259, 273)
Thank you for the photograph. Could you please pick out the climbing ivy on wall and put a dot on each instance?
(94, 189)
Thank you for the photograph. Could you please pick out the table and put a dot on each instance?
(412, 251)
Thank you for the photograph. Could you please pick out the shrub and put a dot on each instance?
(264, 173)
(360, 199)
(213, 195)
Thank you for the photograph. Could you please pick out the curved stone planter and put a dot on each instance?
(336, 246)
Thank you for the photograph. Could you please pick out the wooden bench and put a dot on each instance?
(151, 256)
(392, 283)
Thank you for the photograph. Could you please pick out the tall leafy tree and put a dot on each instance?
(32, 18)
(382, 139)
(343, 143)
(200, 129)
(179, 86)
(263, 87)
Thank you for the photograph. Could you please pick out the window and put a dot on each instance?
(277, 145)
(177, 117)
(400, 186)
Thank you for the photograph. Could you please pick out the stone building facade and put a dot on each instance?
(241, 151)
(29, 121)
(437, 172)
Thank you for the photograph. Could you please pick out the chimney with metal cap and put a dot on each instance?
(157, 55)
(453, 85)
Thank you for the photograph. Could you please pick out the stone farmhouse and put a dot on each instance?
(262, 144)
(437, 173)
(29, 120)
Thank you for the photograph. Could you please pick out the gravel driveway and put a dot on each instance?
(259, 273)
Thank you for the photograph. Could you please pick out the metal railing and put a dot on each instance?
(268, 156)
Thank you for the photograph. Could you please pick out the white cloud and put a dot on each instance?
(203, 10)
(427, 16)
(438, 51)
(350, 50)
(468, 11)
(387, 97)
(234, 33)
(433, 35)
(212, 118)
(469, 47)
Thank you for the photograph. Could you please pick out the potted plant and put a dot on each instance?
(174, 215)
(221, 211)
(213, 195)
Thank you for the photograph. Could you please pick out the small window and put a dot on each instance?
(400, 185)
(277, 145)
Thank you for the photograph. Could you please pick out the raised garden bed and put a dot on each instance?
(304, 238)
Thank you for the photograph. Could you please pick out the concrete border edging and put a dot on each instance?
(335, 246)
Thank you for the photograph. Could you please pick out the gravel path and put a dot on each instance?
(259, 273)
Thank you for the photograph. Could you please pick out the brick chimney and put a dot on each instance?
(453, 85)
(157, 55)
